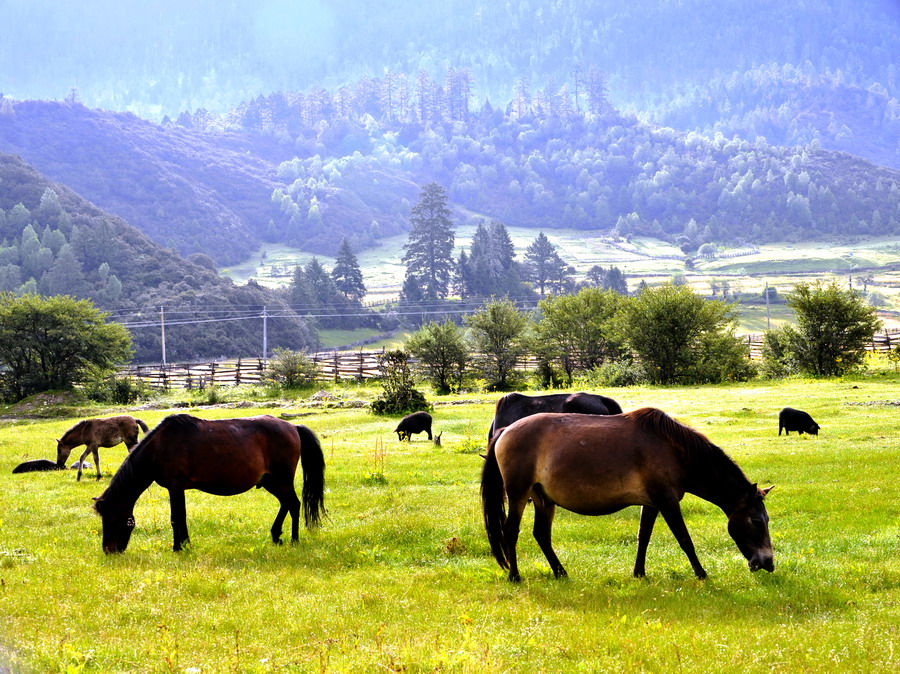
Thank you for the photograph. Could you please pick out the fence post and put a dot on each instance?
(336, 367)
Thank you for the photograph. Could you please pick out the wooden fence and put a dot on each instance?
(349, 365)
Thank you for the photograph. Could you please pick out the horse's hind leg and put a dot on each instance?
(544, 511)
(287, 498)
(511, 535)
(648, 519)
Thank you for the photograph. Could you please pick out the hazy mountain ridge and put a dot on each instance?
(82, 247)
(356, 160)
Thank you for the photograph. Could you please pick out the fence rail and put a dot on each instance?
(350, 365)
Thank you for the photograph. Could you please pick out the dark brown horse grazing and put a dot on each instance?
(596, 465)
(94, 433)
(224, 457)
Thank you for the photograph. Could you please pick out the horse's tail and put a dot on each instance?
(493, 497)
(143, 426)
(312, 461)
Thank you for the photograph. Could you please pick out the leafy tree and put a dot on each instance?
(607, 279)
(498, 333)
(65, 276)
(834, 325)
(428, 253)
(577, 331)
(543, 265)
(442, 354)
(55, 343)
(399, 395)
(348, 278)
(680, 337)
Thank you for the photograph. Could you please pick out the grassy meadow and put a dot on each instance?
(400, 577)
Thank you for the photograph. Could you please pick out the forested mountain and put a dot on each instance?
(312, 168)
(54, 242)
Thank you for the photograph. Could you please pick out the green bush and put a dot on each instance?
(290, 369)
(115, 389)
(624, 372)
(399, 396)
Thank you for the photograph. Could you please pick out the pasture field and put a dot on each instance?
(400, 577)
(781, 265)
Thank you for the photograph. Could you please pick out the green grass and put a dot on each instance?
(401, 576)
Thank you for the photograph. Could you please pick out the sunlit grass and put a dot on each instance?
(400, 575)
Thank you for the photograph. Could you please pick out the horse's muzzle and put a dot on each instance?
(767, 563)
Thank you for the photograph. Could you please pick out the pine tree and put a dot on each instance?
(428, 251)
(543, 265)
(346, 273)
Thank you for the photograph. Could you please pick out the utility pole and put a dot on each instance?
(162, 325)
(768, 324)
(265, 317)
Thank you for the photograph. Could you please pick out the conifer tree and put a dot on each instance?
(346, 273)
(428, 251)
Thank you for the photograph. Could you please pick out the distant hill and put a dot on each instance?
(55, 242)
(310, 169)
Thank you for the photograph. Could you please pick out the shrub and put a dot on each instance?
(399, 396)
(623, 372)
(117, 390)
(290, 369)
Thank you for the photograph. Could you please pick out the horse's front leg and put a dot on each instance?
(87, 450)
(671, 513)
(648, 519)
(96, 454)
(179, 518)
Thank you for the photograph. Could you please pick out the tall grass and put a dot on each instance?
(400, 577)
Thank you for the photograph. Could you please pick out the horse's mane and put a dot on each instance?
(693, 445)
(77, 428)
(130, 472)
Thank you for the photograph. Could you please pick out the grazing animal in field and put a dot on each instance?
(515, 406)
(417, 422)
(596, 465)
(36, 465)
(223, 457)
(95, 433)
(790, 419)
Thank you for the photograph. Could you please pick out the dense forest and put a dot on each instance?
(54, 242)
(310, 169)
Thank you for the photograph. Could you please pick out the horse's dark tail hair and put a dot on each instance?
(493, 503)
(143, 426)
(312, 461)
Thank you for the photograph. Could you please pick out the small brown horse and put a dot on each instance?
(95, 433)
(223, 457)
(596, 465)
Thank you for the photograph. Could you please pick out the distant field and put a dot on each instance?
(781, 265)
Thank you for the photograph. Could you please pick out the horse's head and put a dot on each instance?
(63, 449)
(118, 523)
(749, 527)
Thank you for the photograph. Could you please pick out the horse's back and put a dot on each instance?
(223, 456)
(586, 463)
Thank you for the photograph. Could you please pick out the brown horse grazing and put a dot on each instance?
(224, 457)
(596, 465)
(94, 433)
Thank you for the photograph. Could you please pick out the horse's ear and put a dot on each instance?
(766, 491)
(96, 498)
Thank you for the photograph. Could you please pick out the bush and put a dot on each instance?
(777, 360)
(616, 373)
(290, 369)
(399, 396)
(117, 390)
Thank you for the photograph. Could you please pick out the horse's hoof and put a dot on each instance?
(515, 578)
(277, 541)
